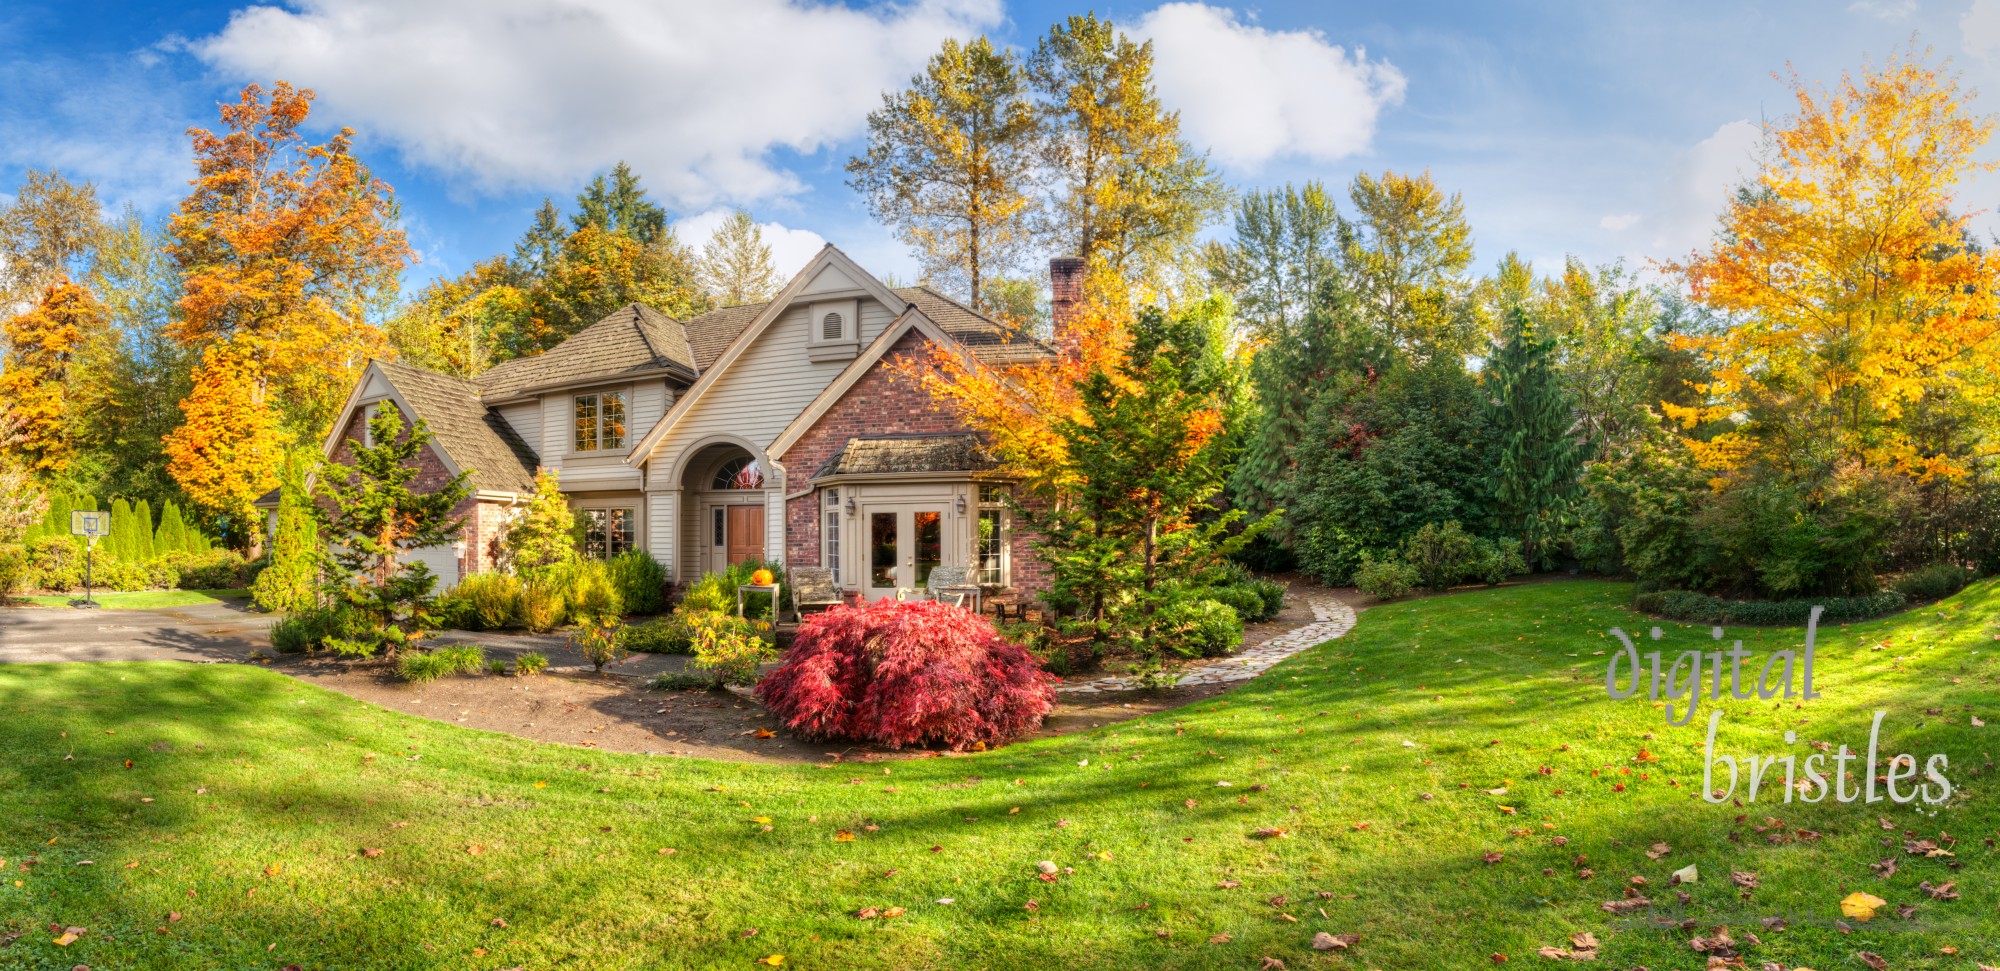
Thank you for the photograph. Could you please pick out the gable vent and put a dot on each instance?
(829, 327)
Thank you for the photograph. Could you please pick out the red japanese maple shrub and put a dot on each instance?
(907, 674)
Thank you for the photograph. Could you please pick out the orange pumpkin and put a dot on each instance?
(762, 578)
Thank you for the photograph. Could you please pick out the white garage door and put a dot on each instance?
(443, 561)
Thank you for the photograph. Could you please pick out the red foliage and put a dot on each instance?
(907, 674)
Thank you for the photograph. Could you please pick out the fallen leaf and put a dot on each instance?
(1323, 941)
(1861, 906)
(1943, 891)
(1658, 850)
(1873, 960)
(772, 960)
(1220, 939)
(371, 852)
(1686, 874)
(1747, 881)
(843, 836)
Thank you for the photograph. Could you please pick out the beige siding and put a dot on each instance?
(554, 444)
(660, 519)
(526, 420)
(649, 401)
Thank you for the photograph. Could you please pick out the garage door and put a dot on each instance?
(443, 561)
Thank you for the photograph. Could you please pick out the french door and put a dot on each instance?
(903, 544)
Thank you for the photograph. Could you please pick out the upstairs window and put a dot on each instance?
(600, 421)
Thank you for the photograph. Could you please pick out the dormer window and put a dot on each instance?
(833, 330)
(600, 421)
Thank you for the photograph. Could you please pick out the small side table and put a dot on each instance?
(748, 588)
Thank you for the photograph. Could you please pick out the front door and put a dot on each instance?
(904, 544)
(745, 533)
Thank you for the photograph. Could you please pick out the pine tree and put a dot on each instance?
(119, 543)
(376, 518)
(171, 537)
(292, 580)
(142, 532)
(620, 207)
(540, 245)
(1539, 457)
(544, 535)
(735, 265)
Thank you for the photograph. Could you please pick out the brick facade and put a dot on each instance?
(883, 402)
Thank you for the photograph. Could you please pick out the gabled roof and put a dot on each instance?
(472, 438)
(990, 341)
(633, 339)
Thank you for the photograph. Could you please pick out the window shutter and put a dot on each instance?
(830, 327)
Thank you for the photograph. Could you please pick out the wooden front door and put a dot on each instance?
(745, 533)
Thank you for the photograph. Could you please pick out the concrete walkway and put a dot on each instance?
(1331, 619)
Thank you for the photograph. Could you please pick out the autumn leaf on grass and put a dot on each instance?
(1873, 960)
(68, 936)
(1943, 891)
(1625, 906)
(371, 852)
(1686, 874)
(1747, 881)
(773, 960)
(1861, 906)
(1220, 939)
(1323, 941)
(1492, 856)
(1269, 833)
(843, 836)
(1658, 850)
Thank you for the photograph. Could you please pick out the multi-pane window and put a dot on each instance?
(607, 532)
(992, 538)
(600, 421)
(741, 472)
(830, 544)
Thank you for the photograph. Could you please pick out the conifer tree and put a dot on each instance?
(142, 532)
(119, 543)
(376, 517)
(292, 580)
(1539, 458)
(545, 533)
(736, 265)
(171, 537)
(620, 206)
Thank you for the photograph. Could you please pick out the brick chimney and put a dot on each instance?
(1065, 295)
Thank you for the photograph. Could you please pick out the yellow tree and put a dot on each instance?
(44, 346)
(284, 249)
(1853, 289)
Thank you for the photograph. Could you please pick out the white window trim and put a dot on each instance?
(625, 400)
(1006, 537)
(634, 505)
(819, 347)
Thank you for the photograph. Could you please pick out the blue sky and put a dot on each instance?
(1604, 130)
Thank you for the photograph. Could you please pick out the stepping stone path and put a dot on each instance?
(1331, 619)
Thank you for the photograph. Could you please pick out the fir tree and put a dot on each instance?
(292, 580)
(376, 517)
(545, 533)
(620, 207)
(735, 265)
(541, 244)
(1539, 459)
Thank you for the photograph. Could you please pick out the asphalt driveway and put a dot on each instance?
(208, 632)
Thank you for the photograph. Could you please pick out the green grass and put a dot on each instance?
(266, 792)
(139, 599)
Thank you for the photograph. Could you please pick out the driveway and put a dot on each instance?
(208, 632)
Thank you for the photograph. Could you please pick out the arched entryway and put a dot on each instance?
(726, 489)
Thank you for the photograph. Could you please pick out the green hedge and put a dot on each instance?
(1701, 608)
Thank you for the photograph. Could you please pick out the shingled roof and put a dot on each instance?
(476, 439)
(633, 339)
(908, 453)
(994, 343)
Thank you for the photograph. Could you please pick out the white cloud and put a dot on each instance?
(1249, 95)
(1708, 174)
(790, 248)
(1619, 221)
(695, 94)
(1979, 28)
(1890, 10)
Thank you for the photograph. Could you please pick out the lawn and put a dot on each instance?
(139, 599)
(232, 817)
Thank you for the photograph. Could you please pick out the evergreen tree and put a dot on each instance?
(171, 537)
(1538, 458)
(544, 535)
(291, 582)
(539, 246)
(620, 206)
(119, 543)
(736, 265)
(142, 531)
(376, 518)
(1287, 244)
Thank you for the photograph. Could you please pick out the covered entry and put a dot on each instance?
(726, 489)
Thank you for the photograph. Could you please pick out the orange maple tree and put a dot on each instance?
(43, 345)
(1851, 288)
(283, 247)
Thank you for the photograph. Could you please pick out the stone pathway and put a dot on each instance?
(1331, 619)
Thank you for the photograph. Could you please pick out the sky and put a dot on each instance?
(1606, 131)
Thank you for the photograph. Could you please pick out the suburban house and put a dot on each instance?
(781, 431)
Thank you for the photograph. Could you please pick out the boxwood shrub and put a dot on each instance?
(1700, 608)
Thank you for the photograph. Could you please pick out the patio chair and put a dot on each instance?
(949, 584)
(812, 586)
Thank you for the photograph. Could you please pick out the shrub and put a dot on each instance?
(1198, 627)
(13, 568)
(601, 640)
(489, 600)
(716, 592)
(1934, 582)
(1249, 606)
(419, 667)
(1703, 609)
(641, 581)
(531, 663)
(211, 570)
(587, 591)
(308, 629)
(1498, 560)
(671, 634)
(1442, 554)
(1273, 594)
(496, 667)
(542, 606)
(1385, 579)
(54, 563)
(729, 646)
(907, 674)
